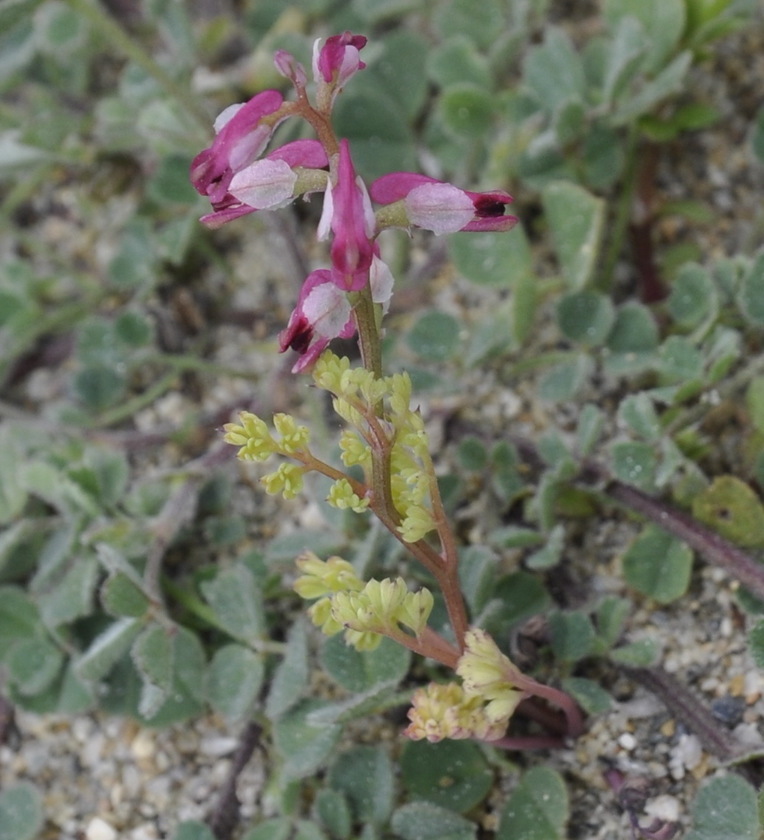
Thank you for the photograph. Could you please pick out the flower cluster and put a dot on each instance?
(378, 410)
(478, 708)
(239, 178)
(256, 443)
(366, 611)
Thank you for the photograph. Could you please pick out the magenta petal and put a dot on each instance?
(307, 153)
(397, 185)
(220, 217)
(492, 223)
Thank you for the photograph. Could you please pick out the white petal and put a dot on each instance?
(225, 116)
(325, 222)
(381, 281)
(441, 208)
(327, 309)
(265, 184)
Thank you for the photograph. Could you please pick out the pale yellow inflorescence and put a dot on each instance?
(366, 611)
(478, 708)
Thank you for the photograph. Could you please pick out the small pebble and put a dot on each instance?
(99, 829)
(627, 741)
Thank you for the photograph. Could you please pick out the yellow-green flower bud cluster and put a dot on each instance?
(366, 611)
(478, 708)
(487, 673)
(381, 606)
(445, 711)
(360, 396)
(342, 496)
(256, 443)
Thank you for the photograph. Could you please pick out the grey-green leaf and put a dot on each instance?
(234, 678)
(21, 812)
(364, 774)
(658, 565)
(725, 809)
(427, 821)
(291, 676)
(537, 809)
(237, 602)
(576, 219)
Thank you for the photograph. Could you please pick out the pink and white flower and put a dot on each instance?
(267, 184)
(241, 135)
(323, 312)
(334, 63)
(441, 207)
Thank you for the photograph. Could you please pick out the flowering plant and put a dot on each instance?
(385, 434)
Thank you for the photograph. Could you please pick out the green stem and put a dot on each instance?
(368, 331)
(117, 36)
(622, 214)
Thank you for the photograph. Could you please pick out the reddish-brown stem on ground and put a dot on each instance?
(641, 228)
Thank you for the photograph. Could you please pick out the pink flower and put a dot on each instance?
(335, 63)
(349, 214)
(440, 207)
(241, 137)
(323, 312)
(267, 184)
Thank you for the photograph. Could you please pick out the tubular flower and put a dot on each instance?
(243, 131)
(293, 169)
(335, 63)
(323, 312)
(414, 199)
(446, 711)
(349, 215)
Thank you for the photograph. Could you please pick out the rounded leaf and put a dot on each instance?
(585, 317)
(453, 774)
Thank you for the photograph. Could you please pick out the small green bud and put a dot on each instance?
(252, 436)
(417, 522)
(294, 438)
(415, 610)
(287, 480)
(354, 450)
(325, 577)
(342, 496)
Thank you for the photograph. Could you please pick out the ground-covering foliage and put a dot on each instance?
(578, 369)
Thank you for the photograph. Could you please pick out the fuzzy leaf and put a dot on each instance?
(234, 678)
(732, 508)
(453, 774)
(427, 821)
(21, 812)
(237, 603)
(360, 671)
(658, 565)
(107, 649)
(575, 219)
(364, 774)
(725, 809)
(537, 809)
(291, 676)
(585, 317)
(304, 747)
